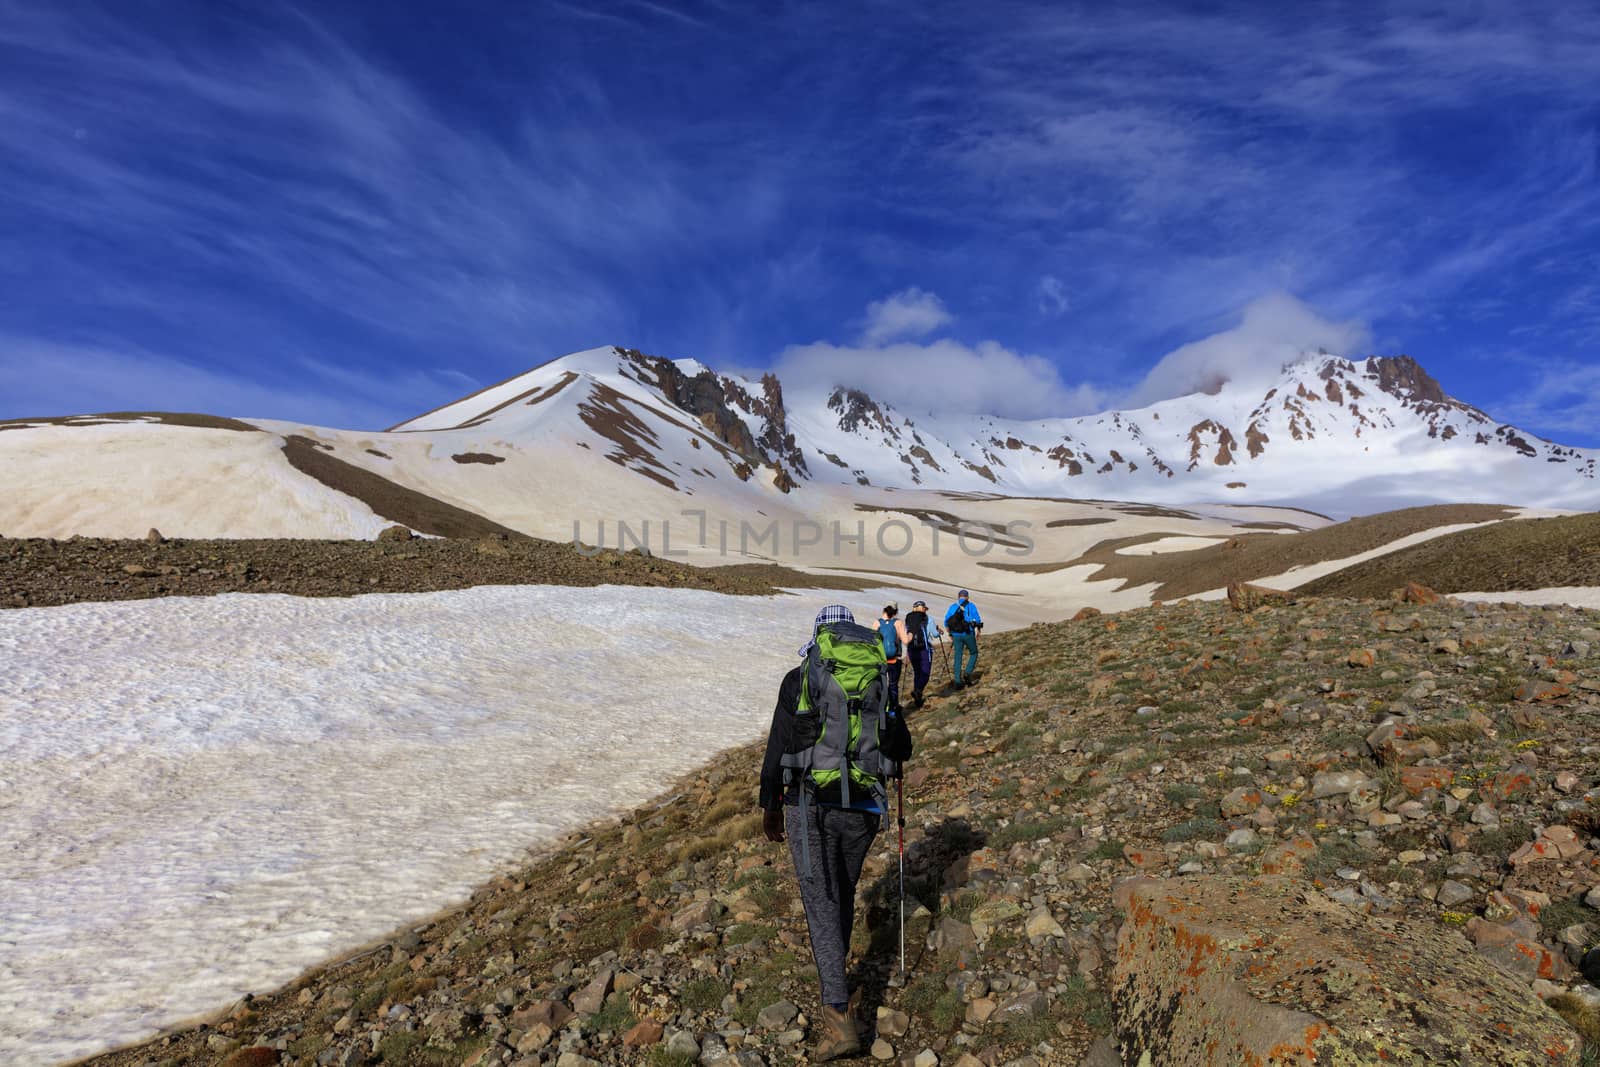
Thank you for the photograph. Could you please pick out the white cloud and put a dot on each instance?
(908, 313)
(941, 376)
(1275, 330)
(1053, 296)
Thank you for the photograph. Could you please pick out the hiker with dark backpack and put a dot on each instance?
(921, 632)
(964, 623)
(834, 744)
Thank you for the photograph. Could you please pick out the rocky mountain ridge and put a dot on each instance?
(1376, 414)
(615, 433)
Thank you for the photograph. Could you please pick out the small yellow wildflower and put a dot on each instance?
(1289, 800)
(1454, 917)
(1272, 789)
(1529, 743)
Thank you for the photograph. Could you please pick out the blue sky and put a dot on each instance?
(348, 213)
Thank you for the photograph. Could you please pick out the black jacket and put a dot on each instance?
(895, 743)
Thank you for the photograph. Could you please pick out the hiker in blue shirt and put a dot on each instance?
(963, 622)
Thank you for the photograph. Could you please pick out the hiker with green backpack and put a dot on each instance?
(835, 743)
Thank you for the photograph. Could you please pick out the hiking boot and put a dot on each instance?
(839, 1037)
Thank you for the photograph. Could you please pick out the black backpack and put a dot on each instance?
(917, 627)
(958, 623)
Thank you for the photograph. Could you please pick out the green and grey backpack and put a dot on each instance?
(843, 708)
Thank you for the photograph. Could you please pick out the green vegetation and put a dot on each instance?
(615, 1017)
(702, 995)
(1192, 829)
(928, 996)
(1028, 831)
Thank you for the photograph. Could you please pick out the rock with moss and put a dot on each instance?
(1268, 970)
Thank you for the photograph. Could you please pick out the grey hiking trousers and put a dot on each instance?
(840, 839)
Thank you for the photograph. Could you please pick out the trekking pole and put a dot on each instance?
(900, 787)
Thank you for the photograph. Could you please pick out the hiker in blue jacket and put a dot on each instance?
(963, 623)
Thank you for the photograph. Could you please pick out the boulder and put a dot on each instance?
(1242, 596)
(395, 533)
(592, 997)
(643, 1034)
(1085, 613)
(549, 1013)
(1227, 970)
(155, 538)
(1416, 593)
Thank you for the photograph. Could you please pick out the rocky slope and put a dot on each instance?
(41, 573)
(1535, 554)
(1417, 764)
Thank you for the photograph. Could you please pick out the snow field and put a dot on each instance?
(1578, 596)
(1170, 544)
(203, 797)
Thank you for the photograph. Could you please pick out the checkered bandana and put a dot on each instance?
(831, 613)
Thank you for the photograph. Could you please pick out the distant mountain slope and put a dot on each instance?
(1530, 554)
(1251, 557)
(611, 436)
(1379, 429)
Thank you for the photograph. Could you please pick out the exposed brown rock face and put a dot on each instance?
(776, 439)
(856, 409)
(1269, 971)
(703, 395)
(1255, 439)
(981, 471)
(609, 414)
(1403, 375)
(1066, 458)
(1197, 443)
(919, 452)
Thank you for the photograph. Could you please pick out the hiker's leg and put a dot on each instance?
(894, 684)
(920, 663)
(818, 894)
(852, 833)
(964, 644)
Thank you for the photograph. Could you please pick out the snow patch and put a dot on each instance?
(1578, 596)
(1170, 544)
(201, 797)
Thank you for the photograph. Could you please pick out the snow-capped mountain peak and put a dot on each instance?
(1381, 424)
